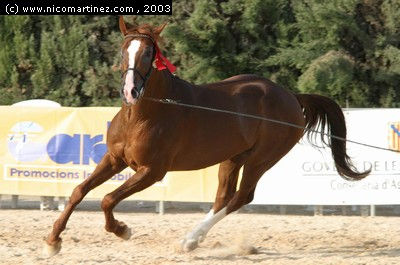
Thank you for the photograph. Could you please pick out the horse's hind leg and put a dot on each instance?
(227, 180)
(227, 177)
(243, 196)
(104, 170)
(143, 178)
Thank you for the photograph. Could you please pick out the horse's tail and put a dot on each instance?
(325, 114)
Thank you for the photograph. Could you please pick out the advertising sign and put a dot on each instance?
(48, 151)
(307, 175)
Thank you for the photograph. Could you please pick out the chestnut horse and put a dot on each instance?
(153, 138)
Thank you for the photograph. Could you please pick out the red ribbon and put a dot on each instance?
(162, 62)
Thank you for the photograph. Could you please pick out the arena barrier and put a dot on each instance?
(48, 151)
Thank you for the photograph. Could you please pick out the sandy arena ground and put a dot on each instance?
(275, 239)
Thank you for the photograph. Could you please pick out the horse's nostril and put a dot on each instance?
(134, 92)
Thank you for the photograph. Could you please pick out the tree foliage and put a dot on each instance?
(348, 50)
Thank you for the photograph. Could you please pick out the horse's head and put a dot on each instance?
(138, 52)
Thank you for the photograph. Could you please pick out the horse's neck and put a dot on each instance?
(159, 86)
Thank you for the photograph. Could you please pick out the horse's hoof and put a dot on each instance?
(51, 250)
(201, 238)
(126, 234)
(189, 244)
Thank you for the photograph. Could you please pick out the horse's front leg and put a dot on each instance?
(144, 177)
(108, 167)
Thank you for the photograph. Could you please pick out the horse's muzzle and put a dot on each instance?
(130, 97)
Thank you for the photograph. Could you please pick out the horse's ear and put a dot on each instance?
(122, 26)
(159, 29)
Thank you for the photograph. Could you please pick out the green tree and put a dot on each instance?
(364, 31)
(68, 59)
(331, 75)
(224, 38)
(17, 57)
(345, 49)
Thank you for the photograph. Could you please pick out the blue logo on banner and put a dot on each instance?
(61, 148)
(22, 142)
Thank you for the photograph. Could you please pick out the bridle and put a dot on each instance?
(139, 90)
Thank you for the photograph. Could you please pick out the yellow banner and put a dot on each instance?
(48, 151)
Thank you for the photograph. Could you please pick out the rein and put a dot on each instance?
(177, 103)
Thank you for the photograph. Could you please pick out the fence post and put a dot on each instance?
(46, 203)
(14, 201)
(318, 210)
(61, 203)
(282, 209)
(372, 210)
(160, 208)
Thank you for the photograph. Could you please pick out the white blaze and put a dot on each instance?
(132, 50)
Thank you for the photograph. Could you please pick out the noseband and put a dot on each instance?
(140, 90)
